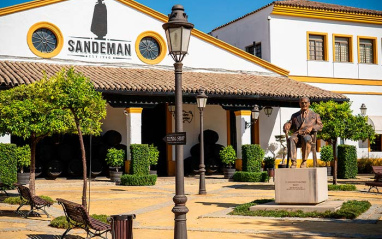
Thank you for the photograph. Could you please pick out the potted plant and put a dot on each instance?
(228, 157)
(114, 158)
(23, 156)
(153, 158)
(327, 156)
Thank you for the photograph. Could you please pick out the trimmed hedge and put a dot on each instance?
(8, 164)
(253, 156)
(138, 180)
(62, 222)
(140, 163)
(344, 187)
(347, 161)
(327, 154)
(241, 176)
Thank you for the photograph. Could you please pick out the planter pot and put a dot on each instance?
(329, 171)
(115, 176)
(153, 171)
(23, 178)
(282, 166)
(229, 172)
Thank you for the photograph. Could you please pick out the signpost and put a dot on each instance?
(176, 138)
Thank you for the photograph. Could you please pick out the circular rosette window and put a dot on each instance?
(45, 40)
(150, 47)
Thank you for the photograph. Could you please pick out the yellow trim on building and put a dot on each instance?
(162, 47)
(297, 11)
(329, 80)
(375, 47)
(56, 31)
(161, 17)
(27, 6)
(134, 110)
(326, 51)
(357, 93)
(350, 42)
(242, 112)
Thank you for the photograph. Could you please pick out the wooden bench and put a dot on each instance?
(377, 178)
(78, 217)
(35, 202)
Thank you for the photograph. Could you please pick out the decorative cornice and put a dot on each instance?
(27, 6)
(134, 110)
(337, 15)
(329, 80)
(243, 113)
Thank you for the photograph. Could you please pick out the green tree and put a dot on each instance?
(339, 122)
(75, 93)
(24, 112)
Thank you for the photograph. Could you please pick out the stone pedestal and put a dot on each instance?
(301, 185)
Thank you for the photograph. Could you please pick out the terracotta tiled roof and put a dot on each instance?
(311, 5)
(120, 80)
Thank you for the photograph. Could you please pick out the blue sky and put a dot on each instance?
(209, 14)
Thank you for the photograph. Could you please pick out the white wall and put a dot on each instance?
(115, 120)
(74, 19)
(214, 119)
(6, 139)
(251, 28)
(289, 47)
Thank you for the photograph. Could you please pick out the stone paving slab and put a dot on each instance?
(207, 217)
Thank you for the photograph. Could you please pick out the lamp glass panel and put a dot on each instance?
(175, 35)
(168, 40)
(186, 33)
(268, 111)
(255, 115)
(202, 102)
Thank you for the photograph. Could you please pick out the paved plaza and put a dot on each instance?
(207, 217)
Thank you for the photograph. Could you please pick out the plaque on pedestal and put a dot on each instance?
(301, 185)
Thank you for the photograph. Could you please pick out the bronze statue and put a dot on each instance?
(302, 124)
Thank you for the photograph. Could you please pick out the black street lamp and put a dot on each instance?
(178, 32)
(255, 113)
(201, 99)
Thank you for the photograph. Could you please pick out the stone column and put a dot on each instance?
(243, 135)
(134, 127)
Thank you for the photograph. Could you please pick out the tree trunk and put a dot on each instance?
(83, 154)
(335, 162)
(33, 165)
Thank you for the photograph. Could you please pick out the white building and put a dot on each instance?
(107, 41)
(337, 48)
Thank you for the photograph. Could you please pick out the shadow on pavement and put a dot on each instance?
(47, 236)
(224, 205)
(252, 187)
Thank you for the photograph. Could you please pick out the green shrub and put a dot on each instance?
(269, 162)
(153, 154)
(62, 222)
(17, 200)
(13, 200)
(344, 187)
(228, 155)
(8, 164)
(349, 210)
(347, 161)
(242, 176)
(115, 157)
(23, 155)
(138, 180)
(327, 154)
(253, 156)
(140, 164)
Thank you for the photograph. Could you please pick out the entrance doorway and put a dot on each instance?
(153, 132)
